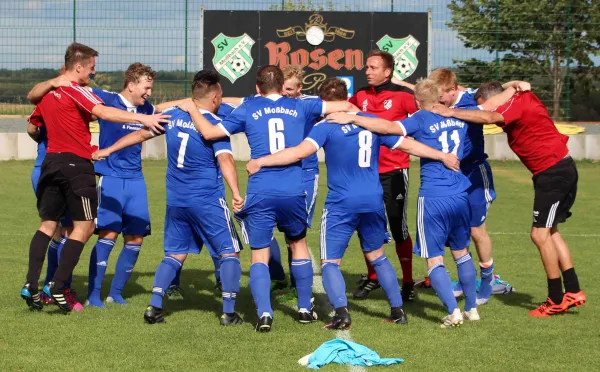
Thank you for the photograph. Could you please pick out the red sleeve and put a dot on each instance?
(512, 110)
(36, 117)
(82, 97)
(353, 100)
(409, 104)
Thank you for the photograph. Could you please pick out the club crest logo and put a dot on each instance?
(233, 55)
(404, 52)
(387, 104)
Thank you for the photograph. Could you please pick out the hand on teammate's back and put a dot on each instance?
(340, 118)
(100, 154)
(153, 122)
(451, 161)
(443, 110)
(252, 167)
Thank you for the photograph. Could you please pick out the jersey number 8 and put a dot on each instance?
(365, 141)
(276, 137)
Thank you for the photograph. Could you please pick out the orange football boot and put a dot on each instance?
(573, 299)
(548, 308)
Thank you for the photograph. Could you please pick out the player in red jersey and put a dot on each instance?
(392, 102)
(67, 179)
(533, 136)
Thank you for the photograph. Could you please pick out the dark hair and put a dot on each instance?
(78, 53)
(333, 89)
(388, 59)
(269, 79)
(488, 90)
(136, 71)
(204, 81)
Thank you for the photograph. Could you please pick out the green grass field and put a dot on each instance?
(116, 338)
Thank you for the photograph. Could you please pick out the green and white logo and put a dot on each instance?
(404, 52)
(233, 58)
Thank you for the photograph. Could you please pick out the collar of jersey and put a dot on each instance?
(274, 97)
(126, 102)
(460, 95)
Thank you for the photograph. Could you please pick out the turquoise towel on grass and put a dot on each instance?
(347, 352)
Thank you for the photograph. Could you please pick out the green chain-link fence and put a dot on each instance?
(553, 44)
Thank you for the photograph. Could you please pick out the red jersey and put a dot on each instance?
(531, 132)
(67, 112)
(391, 102)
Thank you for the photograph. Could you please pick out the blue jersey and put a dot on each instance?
(125, 163)
(311, 162)
(192, 168)
(271, 124)
(352, 159)
(225, 109)
(444, 134)
(474, 145)
(41, 147)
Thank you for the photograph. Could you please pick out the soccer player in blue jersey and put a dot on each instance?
(443, 211)
(275, 196)
(355, 199)
(196, 208)
(122, 196)
(174, 289)
(37, 132)
(476, 168)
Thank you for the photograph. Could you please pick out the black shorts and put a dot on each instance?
(555, 190)
(395, 197)
(67, 181)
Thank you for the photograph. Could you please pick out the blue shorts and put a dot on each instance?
(66, 221)
(262, 213)
(310, 183)
(188, 228)
(481, 193)
(123, 206)
(338, 226)
(442, 222)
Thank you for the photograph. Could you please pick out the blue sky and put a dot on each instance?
(34, 34)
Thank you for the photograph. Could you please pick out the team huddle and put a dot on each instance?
(367, 140)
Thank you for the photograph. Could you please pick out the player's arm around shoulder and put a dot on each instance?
(413, 147)
(131, 139)
(284, 157)
(369, 122)
(470, 116)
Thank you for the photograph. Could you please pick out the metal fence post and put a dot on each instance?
(74, 20)
(185, 71)
(568, 74)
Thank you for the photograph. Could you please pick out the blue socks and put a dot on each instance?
(52, 260)
(260, 285)
(334, 284)
(487, 277)
(303, 272)
(388, 280)
(165, 273)
(275, 265)
(467, 275)
(231, 274)
(98, 264)
(177, 279)
(217, 264)
(125, 264)
(440, 281)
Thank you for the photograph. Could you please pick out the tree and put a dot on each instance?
(535, 39)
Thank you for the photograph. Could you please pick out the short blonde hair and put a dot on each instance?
(426, 92)
(290, 71)
(444, 78)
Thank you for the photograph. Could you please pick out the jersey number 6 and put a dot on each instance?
(276, 137)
